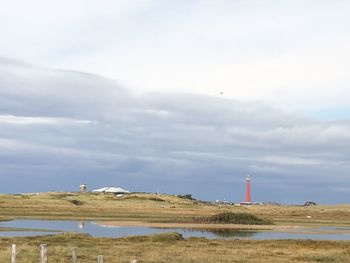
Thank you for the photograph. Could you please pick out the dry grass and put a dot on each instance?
(155, 208)
(172, 248)
(165, 210)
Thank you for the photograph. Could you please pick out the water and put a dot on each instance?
(46, 227)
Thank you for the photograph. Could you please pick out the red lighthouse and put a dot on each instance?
(247, 190)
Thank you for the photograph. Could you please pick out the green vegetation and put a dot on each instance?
(76, 202)
(170, 237)
(186, 196)
(156, 199)
(236, 218)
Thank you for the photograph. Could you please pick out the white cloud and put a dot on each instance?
(292, 53)
(10, 119)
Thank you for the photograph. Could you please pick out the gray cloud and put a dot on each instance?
(59, 128)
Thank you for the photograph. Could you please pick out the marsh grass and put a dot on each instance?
(76, 202)
(235, 218)
(156, 199)
(172, 248)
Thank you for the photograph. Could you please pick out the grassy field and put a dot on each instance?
(171, 248)
(168, 211)
(151, 208)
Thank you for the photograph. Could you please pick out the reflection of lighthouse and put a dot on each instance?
(247, 190)
(81, 225)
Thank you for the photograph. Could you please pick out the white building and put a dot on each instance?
(112, 189)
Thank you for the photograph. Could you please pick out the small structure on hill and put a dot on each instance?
(82, 188)
(111, 189)
(309, 203)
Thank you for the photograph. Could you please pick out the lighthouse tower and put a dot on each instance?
(247, 190)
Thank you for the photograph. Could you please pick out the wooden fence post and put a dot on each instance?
(99, 259)
(43, 253)
(74, 256)
(13, 254)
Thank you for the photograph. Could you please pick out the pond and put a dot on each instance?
(45, 227)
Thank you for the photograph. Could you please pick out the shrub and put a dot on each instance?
(156, 199)
(166, 237)
(236, 218)
(76, 202)
(170, 237)
(186, 196)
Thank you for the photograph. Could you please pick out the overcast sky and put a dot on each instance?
(185, 96)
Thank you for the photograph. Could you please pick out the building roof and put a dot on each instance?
(111, 189)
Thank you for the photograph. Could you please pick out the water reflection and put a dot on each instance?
(223, 232)
(41, 227)
(81, 225)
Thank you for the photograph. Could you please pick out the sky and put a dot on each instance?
(184, 96)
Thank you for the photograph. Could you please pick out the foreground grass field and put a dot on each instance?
(171, 248)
